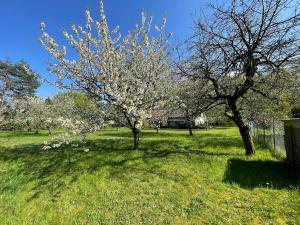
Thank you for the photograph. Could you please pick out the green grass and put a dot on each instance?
(173, 179)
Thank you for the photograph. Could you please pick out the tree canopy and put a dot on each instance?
(238, 46)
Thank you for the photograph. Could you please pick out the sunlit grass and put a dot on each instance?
(173, 179)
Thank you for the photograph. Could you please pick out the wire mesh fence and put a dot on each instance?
(271, 137)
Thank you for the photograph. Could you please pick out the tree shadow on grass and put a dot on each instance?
(188, 153)
(163, 133)
(54, 170)
(144, 134)
(259, 173)
(21, 134)
(225, 143)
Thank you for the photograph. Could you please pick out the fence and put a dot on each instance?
(271, 137)
(292, 139)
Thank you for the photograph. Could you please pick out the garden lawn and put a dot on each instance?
(173, 179)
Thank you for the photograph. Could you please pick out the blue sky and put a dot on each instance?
(20, 21)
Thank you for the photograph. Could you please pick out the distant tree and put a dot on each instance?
(33, 112)
(216, 117)
(237, 45)
(279, 98)
(77, 108)
(191, 100)
(16, 81)
(281, 94)
(159, 117)
(130, 74)
(73, 112)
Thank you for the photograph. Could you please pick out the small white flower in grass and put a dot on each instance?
(86, 150)
(57, 145)
(46, 147)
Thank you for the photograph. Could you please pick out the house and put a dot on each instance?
(180, 121)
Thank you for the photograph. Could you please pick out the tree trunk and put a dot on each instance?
(265, 142)
(247, 139)
(190, 129)
(274, 134)
(136, 138)
(243, 128)
(156, 130)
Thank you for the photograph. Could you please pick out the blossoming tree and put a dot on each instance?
(129, 73)
(32, 112)
(76, 114)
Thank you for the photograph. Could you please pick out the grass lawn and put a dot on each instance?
(173, 179)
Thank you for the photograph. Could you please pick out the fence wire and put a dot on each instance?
(271, 137)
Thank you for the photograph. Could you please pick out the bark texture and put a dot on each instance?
(136, 138)
(236, 117)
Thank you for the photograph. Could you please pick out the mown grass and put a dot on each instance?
(173, 179)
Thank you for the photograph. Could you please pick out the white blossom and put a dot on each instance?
(131, 74)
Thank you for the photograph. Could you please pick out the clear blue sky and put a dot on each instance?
(20, 21)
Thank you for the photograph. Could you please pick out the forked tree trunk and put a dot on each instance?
(243, 128)
(136, 138)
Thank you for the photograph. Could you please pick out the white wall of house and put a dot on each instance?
(200, 120)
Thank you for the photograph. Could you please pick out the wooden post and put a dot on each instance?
(292, 145)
